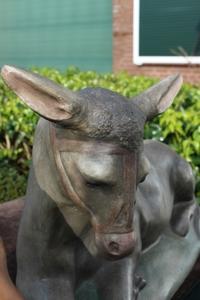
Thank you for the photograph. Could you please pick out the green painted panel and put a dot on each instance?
(56, 33)
(167, 25)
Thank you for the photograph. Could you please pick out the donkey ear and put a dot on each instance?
(48, 99)
(159, 97)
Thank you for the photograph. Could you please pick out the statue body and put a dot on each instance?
(101, 204)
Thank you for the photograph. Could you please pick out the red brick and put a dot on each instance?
(122, 48)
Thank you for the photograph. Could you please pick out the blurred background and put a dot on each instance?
(145, 37)
(56, 33)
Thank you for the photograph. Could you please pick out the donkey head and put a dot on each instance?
(96, 141)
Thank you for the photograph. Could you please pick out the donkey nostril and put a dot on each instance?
(113, 247)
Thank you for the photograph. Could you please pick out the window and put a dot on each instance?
(166, 32)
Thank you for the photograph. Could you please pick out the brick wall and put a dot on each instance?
(123, 48)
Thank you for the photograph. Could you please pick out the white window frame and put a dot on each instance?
(140, 60)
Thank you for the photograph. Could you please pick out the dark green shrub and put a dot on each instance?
(12, 182)
(179, 126)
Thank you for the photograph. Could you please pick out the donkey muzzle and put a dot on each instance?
(115, 245)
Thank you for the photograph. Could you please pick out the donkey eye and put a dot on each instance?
(143, 177)
(98, 184)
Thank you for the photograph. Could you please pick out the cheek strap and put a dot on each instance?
(65, 183)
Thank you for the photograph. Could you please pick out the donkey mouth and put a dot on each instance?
(115, 245)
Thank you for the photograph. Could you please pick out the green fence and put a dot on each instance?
(56, 33)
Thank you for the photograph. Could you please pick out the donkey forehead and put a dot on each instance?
(111, 117)
(105, 165)
(95, 166)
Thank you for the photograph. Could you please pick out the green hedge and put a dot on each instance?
(179, 126)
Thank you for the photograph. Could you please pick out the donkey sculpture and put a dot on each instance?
(91, 211)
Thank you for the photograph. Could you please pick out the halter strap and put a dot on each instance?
(64, 145)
